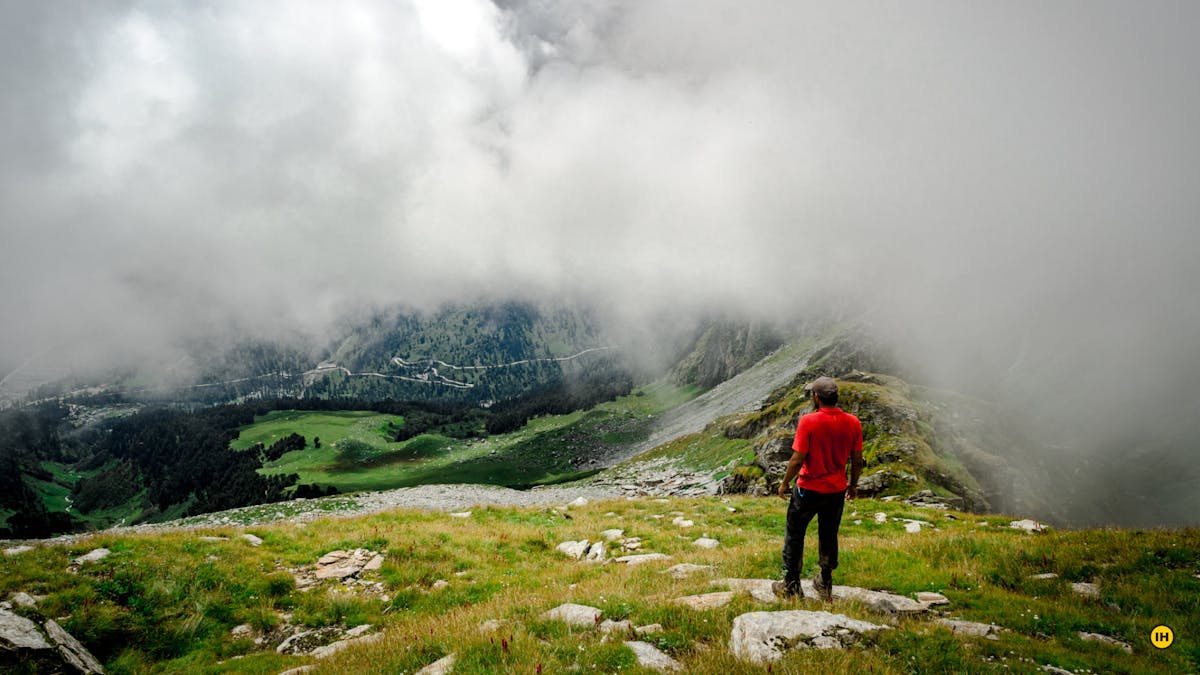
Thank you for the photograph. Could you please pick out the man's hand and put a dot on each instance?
(852, 492)
(784, 492)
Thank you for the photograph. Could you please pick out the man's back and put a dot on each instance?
(827, 436)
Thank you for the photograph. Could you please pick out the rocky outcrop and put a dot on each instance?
(338, 565)
(763, 637)
(649, 656)
(48, 649)
(724, 350)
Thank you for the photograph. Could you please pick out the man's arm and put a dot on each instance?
(789, 478)
(856, 465)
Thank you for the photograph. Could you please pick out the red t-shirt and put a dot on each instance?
(828, 436)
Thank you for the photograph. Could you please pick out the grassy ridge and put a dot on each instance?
(165, 602)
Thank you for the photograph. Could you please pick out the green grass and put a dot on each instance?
(330, 427)
(165, 602)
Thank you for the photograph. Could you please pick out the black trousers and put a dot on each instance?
(804, 505)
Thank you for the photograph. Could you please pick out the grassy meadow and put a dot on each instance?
(540, 453)
(165, 602)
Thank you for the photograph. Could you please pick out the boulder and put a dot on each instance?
(623, 626)
(912, 527)
(343, 564)
(705, 542)
(759, 589)
(649, 629)
(773, 455)
(335, 647)
(762, 637)
(881, 518)
(23, 599)
(1027, 525)
(573, 615)
(706, 601)
(574, 549)
(461, 514)
(252, 539)
(18, 633)
(73, 652)
(579, 501)
(1104, 639)
(442, 666)
(17, 550)
(971, 628)
(439, 584)
(609, 535)
(1044, 576)
(649, 656)
(373, 564)
(596, 553)
(929, 599)
(1086, 589)
(95, 555)
(882, 602)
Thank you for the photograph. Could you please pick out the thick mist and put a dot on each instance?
(1006, 190)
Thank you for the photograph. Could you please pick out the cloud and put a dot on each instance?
(1007, 189)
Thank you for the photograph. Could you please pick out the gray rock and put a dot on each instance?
(971, 628)
(609, 535)
(579, 501)
(574, 615)
(244, 630)
(490, 626)
(574, 549)
(1027, 525)
(461, 514)
(641, 558)
(214, 539)
(373, 564)
(705, 542)
(623, 626)
(928, 598)
(94, 556)
(650, 629)
(1087, 589)
(912, 527)
(1044, 575)
(596, 553)
(881, 518)
(17, 633)
(252, 539)
(648, 656)
(826, 642)
(23, 599)
(299, 670)
(335, 647)
(759, 589)
(1104, 639)
(343, 564)
(72, 650)
(877, 601)
(706, 601)
(442, 666)
(439, 584)
(1055, 670)
(17, 550)
(762, 637)
(683, 570)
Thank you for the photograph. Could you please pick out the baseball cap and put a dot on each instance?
(823, 387)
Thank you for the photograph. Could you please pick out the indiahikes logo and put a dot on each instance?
(1162, 637)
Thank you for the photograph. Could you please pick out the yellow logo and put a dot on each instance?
(1162, 637)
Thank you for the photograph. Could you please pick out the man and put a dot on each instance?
(825, 439)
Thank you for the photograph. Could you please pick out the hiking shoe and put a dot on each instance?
(782, 591)
(824, 590)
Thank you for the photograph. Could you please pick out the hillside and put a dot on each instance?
(477, 586)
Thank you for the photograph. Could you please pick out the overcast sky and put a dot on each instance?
(1007, 181)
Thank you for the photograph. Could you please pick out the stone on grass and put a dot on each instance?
(684, 523)
(650, 629)
(440, 584)
(648, 656)
(1055, 670)
(335, 647)
(72, 650)
(641, 558)
(1044, 575)
(1027, 525)
(210, 539)
(573, 615)
(928, 598)
(881, 518)
(490, 626)
(609, 535)
(609, 626)
(23, 599)
(705, 542)
(252, 539)
(442, 666)
(574, 549)
(759, 589)
(461, 514)
(579, 501)
(596, 553)
(17, 550)
(706, 601)
(343, 564)
(373, 564)
(971, 628)
(242, 630)
(1104, 639)
(17, 632)
(761, 637)
(1085, 588)
(876, 601)
(682, 570)
(912, 527)
(93, 556)
(299, 670)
